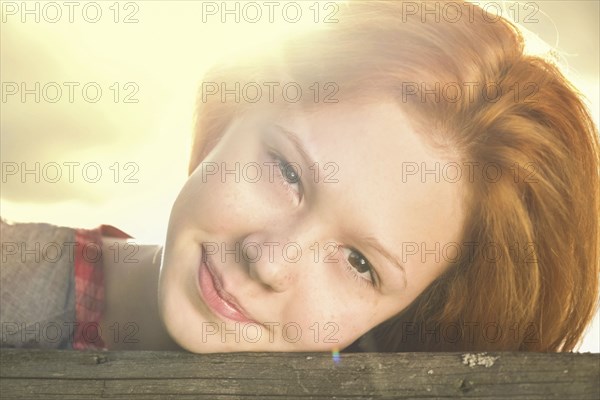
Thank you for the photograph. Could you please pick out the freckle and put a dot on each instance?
(565, 371)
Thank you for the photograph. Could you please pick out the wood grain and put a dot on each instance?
(64, 374)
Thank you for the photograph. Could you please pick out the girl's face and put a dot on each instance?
(302, 231)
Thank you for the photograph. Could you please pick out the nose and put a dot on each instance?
(273, 262)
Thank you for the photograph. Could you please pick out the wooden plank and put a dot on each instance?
(53, 374)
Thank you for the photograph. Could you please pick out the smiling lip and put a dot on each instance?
(215, 297)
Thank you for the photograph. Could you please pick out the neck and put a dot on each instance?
(131, 318)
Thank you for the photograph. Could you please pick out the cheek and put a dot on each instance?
(216, 204)
(235, 191)
(325, 319)
(218, 197)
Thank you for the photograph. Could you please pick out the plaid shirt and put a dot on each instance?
(89, 285)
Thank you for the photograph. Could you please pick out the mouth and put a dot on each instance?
(211, 290)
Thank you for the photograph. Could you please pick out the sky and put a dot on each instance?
(113, 147)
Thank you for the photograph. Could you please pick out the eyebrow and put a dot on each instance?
(298, 145)
(374, 243)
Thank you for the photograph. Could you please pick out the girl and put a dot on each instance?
(408, 182)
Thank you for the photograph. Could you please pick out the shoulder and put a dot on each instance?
(28, 244)
(12, 231)
(36, 265)
(30, 249)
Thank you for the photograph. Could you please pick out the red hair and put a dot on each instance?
(521, 115)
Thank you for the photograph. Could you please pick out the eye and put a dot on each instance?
(290, 177)
(289, 172)
(359, 266)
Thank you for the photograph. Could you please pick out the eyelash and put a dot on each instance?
(284, 165)
(351, 269)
